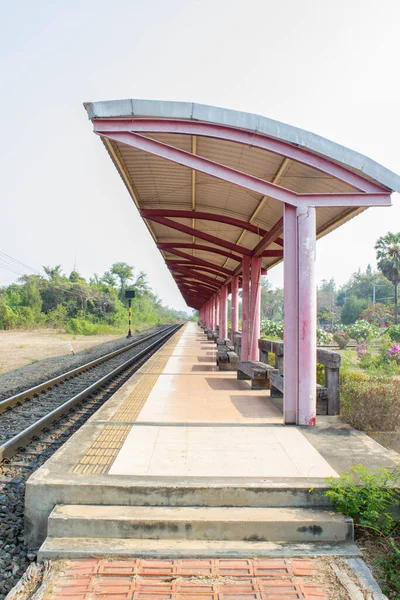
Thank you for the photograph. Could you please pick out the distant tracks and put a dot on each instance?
(24, 415)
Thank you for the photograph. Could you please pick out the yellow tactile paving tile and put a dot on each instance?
(102, 453)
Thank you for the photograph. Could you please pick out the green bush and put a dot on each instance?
(342, 339)
(362, 330)
(270, 329)
(83, 327)
(367, 496)
(393, 332)
(372, 500)
(369, 403)
(320, 374)
(323, 337)
(390, 582)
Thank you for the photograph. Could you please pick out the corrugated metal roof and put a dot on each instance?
(156, 183)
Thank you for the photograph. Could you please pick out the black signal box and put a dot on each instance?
(129, 293)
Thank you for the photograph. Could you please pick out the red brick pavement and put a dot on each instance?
(202, 579)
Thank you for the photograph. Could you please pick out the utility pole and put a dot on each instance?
(129, 294)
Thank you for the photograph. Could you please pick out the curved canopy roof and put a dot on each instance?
(211, 183)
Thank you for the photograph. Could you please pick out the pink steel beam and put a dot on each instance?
(204, 216)
(254, 353)
(291, 324)
(198, 276)
(200, 234)
(235, 306)
(197, 288)
(268, 239)
(193, 267)
(204, 248)
(251, 139)
(244, 180)
(245, 307)
(199, 261)
(200, 287)
(272, 253)
(307, 298)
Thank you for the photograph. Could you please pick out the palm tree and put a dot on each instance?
(388, 255)
(124, 272)
(53, 272)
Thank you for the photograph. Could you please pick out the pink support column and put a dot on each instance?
(212, 313)
(217, 321)
(223, 326)
(245, 307)
(254, 353)
(235, 306)
(306, 224)
(291, 327)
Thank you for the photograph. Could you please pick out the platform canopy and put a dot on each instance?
(211, 183)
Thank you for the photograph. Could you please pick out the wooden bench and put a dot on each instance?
(258, 372)
(227, 360)
(224, 343)
(276, 381)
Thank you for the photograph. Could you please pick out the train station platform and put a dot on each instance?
(183, 450)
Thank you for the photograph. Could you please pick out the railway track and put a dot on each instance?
(24, 415)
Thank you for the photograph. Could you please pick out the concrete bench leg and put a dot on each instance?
(242, 376)
(275, 393)
(260, 384)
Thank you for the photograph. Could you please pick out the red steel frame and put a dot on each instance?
(235, 306)
(194, 275)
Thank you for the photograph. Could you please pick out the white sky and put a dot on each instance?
(329, 66)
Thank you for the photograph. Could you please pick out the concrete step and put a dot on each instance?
(54, 548)
(200, 523)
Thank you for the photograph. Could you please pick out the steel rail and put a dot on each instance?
(45, 385)
(7, 449)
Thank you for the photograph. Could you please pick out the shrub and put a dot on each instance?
(393, 332)
(323, 337)
(82, 327)
(370, 403)
(378, 314)
(320, 374)
(342, 339)
(272, 329)
(362, 330)
(367, 496)
(391, 571)
(393, 353)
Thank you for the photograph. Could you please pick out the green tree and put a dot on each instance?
(53, 273)
(388, 256)
(108, 278)
(124, 272)
(75, 277)
(328, 312)
(352, 309)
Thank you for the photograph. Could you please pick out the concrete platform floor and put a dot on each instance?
(178, 428)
